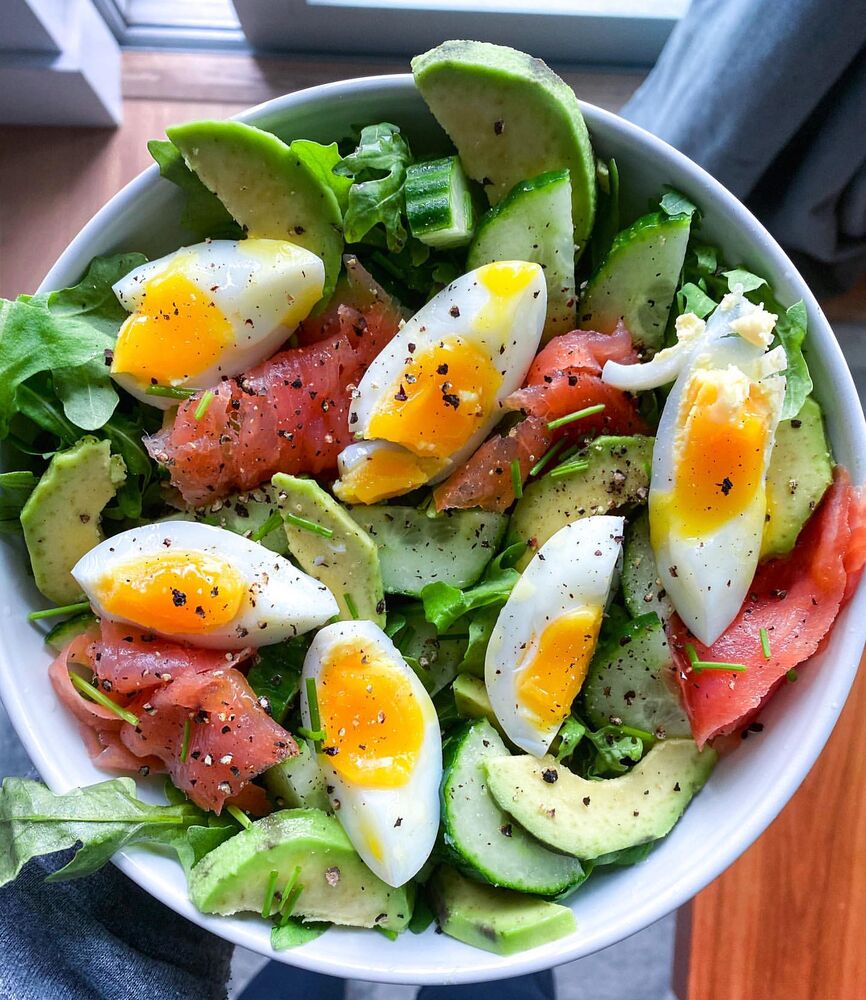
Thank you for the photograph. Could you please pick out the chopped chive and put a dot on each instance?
(387, 932)
(270, 524)
(67, 609)
(313, 707)
(302, 522)
(170, 391)
(765, 644)
(697, 664)
(569, 418)
(567, 468)
(546, 457)
(638, 734)
(516, 478)
(290, 895)
(17, 480)
(270, 889)
(184, 747)
(94, 694)
(316, 735)
(792, 675)
(351, 607)
(203, 405)
(240, 816)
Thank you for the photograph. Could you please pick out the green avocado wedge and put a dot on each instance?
(335, 884)
(62, 514)
(588, 819)
(270, 188)
(511, 118)
(496, 920)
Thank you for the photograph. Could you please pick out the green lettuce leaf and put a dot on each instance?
(481, 625)
(102, 818)
(276, 674)
(740, 276)
(322, 160)
(204, 214)
(791, 332)
(692, 298)
(444, 604)
(87, 394)
(294, 932)
(377, 168)
(675, 203)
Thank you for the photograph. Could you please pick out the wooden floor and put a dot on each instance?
(785, 922)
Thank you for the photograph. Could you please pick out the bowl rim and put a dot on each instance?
(696, 874)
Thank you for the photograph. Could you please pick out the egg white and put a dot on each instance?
(281, 601)
(403, 821)
(506, 328)
(708, 578)
(575, 567)
(264, 288)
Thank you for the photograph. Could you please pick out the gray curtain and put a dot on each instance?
(770, 97)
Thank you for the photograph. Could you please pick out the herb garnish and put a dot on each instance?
(170, 391)
(240, 816)
(516, 478)
(184, 747)
(569, 418)
(302, 522)
(765, 644)
(94, 694)
(270, 889)
(204, 403)
(698, 665)
(546, 457)
(270, 524)
(67, 609)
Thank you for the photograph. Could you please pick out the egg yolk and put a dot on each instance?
(551, 680)
(720, 457)
(385, 473)
(374, 725)
(506, 278)
(176, 333)
(175, 592)
(445, 392)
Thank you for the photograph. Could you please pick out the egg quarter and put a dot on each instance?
(202, 585)
(210, 311)
(436, 391)
(380, 748)
(547, 632)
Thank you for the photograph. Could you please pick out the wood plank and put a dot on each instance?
(787, 921)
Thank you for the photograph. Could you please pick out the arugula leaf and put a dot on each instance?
(571, 732)
(92, 299)
(706, 260)
(204, 214)
(444, 604)
(276, 674)
(740, 276)
(378, 169)
(480, 629)
(293, 932)
(322, 160)
(675, 203)
(87, 394)
(607, 216)
(613, 747)
(791, 332)
(103, 818)
(692, 298)
(35, 401)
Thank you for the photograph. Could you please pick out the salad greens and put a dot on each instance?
(103, 819)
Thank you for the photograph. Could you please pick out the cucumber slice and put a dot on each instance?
(510, 117)
(641, 586)
(631, 682)
(482, 839)
(297, 782)
(439, 204)
(534, 223)
(269, 188)
(415, 549)
(64, 632)
(637, 279)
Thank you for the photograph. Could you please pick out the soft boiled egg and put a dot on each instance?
(436, 391)
(203, 585)
(381, 756)
(210, 311)
(707, 502)
(544, 638)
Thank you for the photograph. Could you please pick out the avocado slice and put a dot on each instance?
(297, 782)
(591, 818)
(472, 701)
(497, 920)
(61, 516)
(511, 118)
(637, 280)
(347, 562)
(268, 187)
(618, 474)
(416, 549)
(337, 885)
(800, 471)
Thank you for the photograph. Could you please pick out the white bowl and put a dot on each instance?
(747, 789)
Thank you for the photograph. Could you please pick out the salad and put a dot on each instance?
(427, 526)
